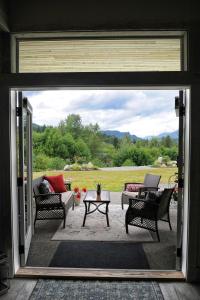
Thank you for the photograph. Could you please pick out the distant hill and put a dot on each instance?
(173, 135)
(120, 134)
(38, 128)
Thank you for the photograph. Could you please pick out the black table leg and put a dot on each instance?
(85, 214)
(108, 225)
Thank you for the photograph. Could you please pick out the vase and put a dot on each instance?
(98, 189)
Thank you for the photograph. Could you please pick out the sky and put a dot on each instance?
(140, 112)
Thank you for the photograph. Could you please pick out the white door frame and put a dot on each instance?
(187, 165)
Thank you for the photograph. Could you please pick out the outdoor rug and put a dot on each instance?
(106, 255)
(96, 229)
(96, 290)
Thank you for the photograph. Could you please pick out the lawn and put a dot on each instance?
(110, 180)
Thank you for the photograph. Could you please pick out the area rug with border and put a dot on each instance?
(96, 254)
(96, 290)
(96, 227)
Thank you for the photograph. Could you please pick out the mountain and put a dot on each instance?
(173, 135)
(120, 134)
(38, 128)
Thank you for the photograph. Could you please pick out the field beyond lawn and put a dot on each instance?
(110, 180)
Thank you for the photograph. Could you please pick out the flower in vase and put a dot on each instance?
(76, 189)
(77, 198)
(84, 190)
(78, 195)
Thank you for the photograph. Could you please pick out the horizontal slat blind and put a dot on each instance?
(100, 55)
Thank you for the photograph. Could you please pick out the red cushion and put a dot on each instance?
(133, 187)
(57, 183)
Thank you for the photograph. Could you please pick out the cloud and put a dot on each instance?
(141, 112)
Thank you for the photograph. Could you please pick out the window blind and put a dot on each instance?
(100, 55)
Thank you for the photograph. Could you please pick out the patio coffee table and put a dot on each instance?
(91, 197)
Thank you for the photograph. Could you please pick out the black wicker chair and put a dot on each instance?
(51, 206)
(150, 183)
(145, 213)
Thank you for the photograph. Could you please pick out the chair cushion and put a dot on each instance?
(154, 196)
(57, 183)
(45, 187)
(133, 187)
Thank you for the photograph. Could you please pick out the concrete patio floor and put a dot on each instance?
(161, 256)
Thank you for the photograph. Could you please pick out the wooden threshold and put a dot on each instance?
(122, 274)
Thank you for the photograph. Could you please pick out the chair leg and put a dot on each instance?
(126, 228)
(126, 224)
(35, 218)
(156, 225)
(122, 204)
(170, 226)
(64, 217)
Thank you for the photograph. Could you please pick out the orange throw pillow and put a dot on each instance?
(57, 183)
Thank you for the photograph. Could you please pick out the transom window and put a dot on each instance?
(100, 54)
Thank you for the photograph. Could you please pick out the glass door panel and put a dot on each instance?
(25, 175)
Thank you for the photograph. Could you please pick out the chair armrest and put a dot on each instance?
(148, 188)
(48, 199)
(146, 201)
(49, 194)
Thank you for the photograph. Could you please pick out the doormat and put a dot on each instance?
(96, 290)
(96, 254)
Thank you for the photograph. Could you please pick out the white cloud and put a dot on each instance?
(141, 112)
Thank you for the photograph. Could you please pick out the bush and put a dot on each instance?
(80, 167)
(128, 162)
(98, 162)
(75, 167)
(41, 162)
(56, 163)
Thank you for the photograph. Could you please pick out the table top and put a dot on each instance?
(92, 196)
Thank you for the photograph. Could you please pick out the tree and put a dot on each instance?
(82, 151)
(74, 125)
(167, 141)
(71, 142)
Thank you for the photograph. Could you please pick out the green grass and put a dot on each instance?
(110, 180)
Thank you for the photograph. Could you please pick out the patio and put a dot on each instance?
(50, 234)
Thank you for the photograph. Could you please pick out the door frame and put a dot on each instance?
(135, 274)
(24, 189)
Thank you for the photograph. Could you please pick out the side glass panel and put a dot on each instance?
(27, 167)
(24, 175)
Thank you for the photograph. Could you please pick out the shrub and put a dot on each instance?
(41, 162)
(75, 167)
(56, 163)
(128, 162)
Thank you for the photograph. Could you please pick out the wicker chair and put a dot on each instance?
(51, 206)
(150, 183)
(145, 213)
